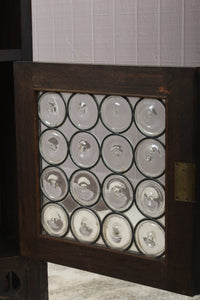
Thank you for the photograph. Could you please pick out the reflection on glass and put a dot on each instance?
(117, 153)
(117, 192)
(84, 187)
(150, 157)
(84, 149)
(83, 111)
(51, 109)
(150, 238)
(116, 113)
(150, 117)
(85, 225)
(54, 220)
(53, 183)
(117, 232)
(150, 198)
(53, 146)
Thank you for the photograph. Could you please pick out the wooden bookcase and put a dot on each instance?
(20, 278)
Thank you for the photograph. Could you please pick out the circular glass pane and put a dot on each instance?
(117, 192)
(150, 117)
(117, 232)
(150, 157)
(53, 183)
(150, 238)
(53, 146)
(51, 109)
(117, 153)
(54, 220)
(83, 111)
(84, 149)
(116, 113)
(84, 187)
(150, 198)
(85, 225)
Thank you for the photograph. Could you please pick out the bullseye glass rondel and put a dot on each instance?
(150, 117)
(51, 109)
(150, 198)
(150, 238)
(83, 111)
(117, 192)
(85, 225)
(150, 157)
(116, 113)
(84, 149)
(117, 232)
(54, 220)
(53, 146)
(117, 153)
(53, 183)
(84, 187)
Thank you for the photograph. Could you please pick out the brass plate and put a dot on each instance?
(185, 182)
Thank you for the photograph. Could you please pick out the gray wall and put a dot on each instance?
(134, 32)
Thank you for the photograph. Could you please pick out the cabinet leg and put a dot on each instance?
(23, 279)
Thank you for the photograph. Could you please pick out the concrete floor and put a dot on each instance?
(71, 284)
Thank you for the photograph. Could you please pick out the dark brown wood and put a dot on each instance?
(197, 212)
(15, 33)
(180, 147)
(9, 215)
(20, 278)
(126, 266)
(23, 279)
(15, 44)
(26, 30)
(10, 34)
(178, 271)
(10, 55)
(92, 78)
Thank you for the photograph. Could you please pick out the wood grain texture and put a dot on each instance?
(31, 275)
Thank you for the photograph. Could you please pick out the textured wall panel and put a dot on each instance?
(192, 33)
(148, 32)
(83, 31)
(134, 32)
(125, 21)
(171, 26)
(63, 33)
(103, 31)
(43, 31)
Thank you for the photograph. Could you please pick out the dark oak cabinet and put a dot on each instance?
(99, 169)
(108, 170)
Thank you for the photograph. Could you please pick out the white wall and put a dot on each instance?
(134, 32)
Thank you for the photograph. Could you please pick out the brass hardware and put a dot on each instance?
(185, 182)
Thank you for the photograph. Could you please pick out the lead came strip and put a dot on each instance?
(102, 163)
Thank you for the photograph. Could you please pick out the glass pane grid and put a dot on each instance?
(103, 170)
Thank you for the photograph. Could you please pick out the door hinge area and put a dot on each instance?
(185, 181)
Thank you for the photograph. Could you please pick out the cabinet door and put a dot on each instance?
(107, 170)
